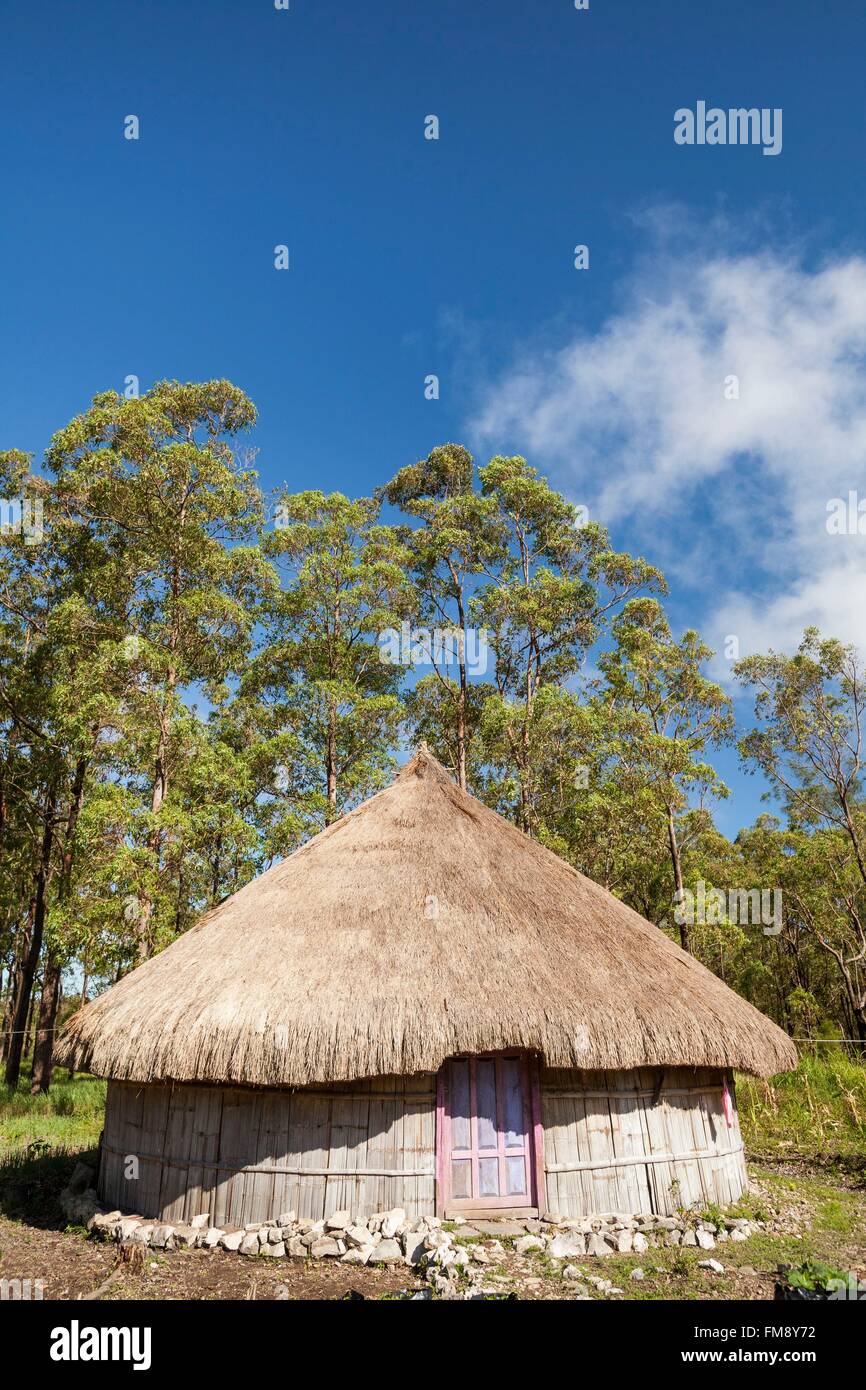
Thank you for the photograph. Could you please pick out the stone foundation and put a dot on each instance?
(390, 1238)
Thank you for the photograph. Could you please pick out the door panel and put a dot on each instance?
(486, 1132)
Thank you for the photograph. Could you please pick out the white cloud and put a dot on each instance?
(730, 495)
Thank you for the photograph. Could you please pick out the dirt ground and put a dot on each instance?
(807, 1214)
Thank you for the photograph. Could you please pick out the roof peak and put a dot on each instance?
(424, 764)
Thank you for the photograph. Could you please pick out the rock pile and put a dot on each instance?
(390, 1237)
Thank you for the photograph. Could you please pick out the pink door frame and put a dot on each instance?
(535, 1148)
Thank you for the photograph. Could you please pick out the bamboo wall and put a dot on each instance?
(639, 1141)
(247, 1155)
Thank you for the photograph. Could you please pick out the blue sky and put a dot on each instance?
(455, 257)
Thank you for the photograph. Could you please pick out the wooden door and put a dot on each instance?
(486, 1141)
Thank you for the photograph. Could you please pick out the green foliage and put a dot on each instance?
(68, 1117)
(126, 811)
(813, 1275)
(820, 1107)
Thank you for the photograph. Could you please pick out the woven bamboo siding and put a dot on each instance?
(596, 1123)
(246, 1155)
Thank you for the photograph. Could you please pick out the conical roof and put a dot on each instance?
(420, 925)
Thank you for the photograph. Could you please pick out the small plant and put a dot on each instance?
(813, 1276)
(712, 1214)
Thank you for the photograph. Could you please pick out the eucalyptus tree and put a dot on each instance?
(668, 714)
(556, 583)
(159, 489)
(58, 691)
(458, 539)
(330, 704)
(808, 743)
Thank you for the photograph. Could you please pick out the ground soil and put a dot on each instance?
(812, 1213)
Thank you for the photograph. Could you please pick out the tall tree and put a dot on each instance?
(556, 584)
(809, 745)
(669, 713)
(343, 582)
(158, 486)
(458, 539)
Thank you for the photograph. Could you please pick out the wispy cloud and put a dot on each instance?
(727, 483)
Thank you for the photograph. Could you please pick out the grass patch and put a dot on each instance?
(816, 1112)
(70, 1116)
(41, 1139)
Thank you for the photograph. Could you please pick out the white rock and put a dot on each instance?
(571, 1272)
(624, 1242)
(274, 1236)
(526, 1244)
(287, 1218)
(250, 1243)
(640, 1243)
(705, 1240)
(713, 1265)
(566, 1246)
(324, 1248)
(200, 1222)
(277, 1250)
(231, 1240)
(738, 1234)
(386, 1252)
(339, 1221)
(357, 1235)
(357, 1255)
(213, 1236)
(637, 1274)
(414, 1247)
(597, 1245)
(392, 1222)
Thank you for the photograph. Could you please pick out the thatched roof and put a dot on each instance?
(334, 964)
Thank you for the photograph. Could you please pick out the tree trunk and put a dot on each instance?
(461, 694)
(9, 1008)
(676, 863)
(31, 953)
(43, 1051)
(331, 767)
(43, 1047)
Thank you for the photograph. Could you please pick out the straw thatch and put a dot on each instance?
(419, 926)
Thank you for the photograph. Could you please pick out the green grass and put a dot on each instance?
(68, 1117)
(816, 1112)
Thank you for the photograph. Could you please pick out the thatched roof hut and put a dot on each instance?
(419, 981)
